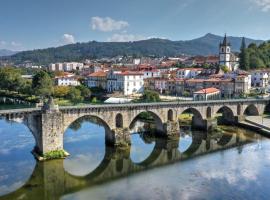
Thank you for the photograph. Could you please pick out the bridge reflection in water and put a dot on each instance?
(50, 180)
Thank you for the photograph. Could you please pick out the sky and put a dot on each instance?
(33, 24)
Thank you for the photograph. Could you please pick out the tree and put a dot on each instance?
(150, 96)
(225, 68)
(61, 91)
(244, 58)
(85, 92)
(11, 79)
(74, 95)
(42, 84)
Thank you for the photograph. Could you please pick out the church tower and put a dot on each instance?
(225, 53)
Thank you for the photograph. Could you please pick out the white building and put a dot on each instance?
(56, 67)
(206, 94)
(97, 79)
(150, 72)
(242, 80)
(188, 72)
(259, 78)
(70, 66)
(67, 80)
(226, 57)
(67, 66)
(127, 82)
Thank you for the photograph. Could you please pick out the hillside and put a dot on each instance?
(205, 45)
(5, 52)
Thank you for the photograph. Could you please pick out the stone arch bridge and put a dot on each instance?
(48, 124)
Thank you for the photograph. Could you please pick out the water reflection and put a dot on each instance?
(85, 141)
(52, 180)
(185, 139)
(142, 141)
(16, 160)
(92, 166)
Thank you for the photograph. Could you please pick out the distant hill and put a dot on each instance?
(5, 52)
(205, 45)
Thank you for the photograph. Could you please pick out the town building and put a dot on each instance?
(260, 78)
(71, 66)
(149, 71)
(206, 94)
(56, 67)
(97, 79)
(188, 72)
(128, 82)
(242, 84)
(176, 87)
(67, 66)
(67, 80)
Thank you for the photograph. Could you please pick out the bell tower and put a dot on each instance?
(225, 53)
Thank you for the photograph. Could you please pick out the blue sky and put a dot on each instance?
(31, 24)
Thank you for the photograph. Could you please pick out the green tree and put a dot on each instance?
(11, 79)
(244, 58)
(42, 84)
(61, 91)
(74, 95)
(94, 100)
(225, 68)
(85, 91)
(150, 96)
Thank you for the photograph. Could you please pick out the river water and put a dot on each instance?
(231, 163)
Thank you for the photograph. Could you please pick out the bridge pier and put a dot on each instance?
(119, 137)
(48, 133)
(172, 129)
(205, 124)
(239, 118)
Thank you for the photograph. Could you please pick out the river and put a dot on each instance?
(231, 163)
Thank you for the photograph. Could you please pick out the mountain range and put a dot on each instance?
(206, 45)
(6, 52)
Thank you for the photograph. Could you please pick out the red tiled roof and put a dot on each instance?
(98, 74)
(130, 73)
(191, 69)
(195, 80)
(207, 91)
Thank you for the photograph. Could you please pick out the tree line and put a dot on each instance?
(254, 56)
(40, 87)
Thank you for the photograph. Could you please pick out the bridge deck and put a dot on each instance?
(132, 105)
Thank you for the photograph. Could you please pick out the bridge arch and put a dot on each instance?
(28, 121)
(156, 118)
(227, 115)
(251, 110)
(75, 121)
(197, 118)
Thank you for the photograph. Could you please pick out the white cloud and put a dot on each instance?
(15, 44)
(125, 38)
(2, 43)
(107, 24)
(263, 4)
(68, 39)
(10, 45)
